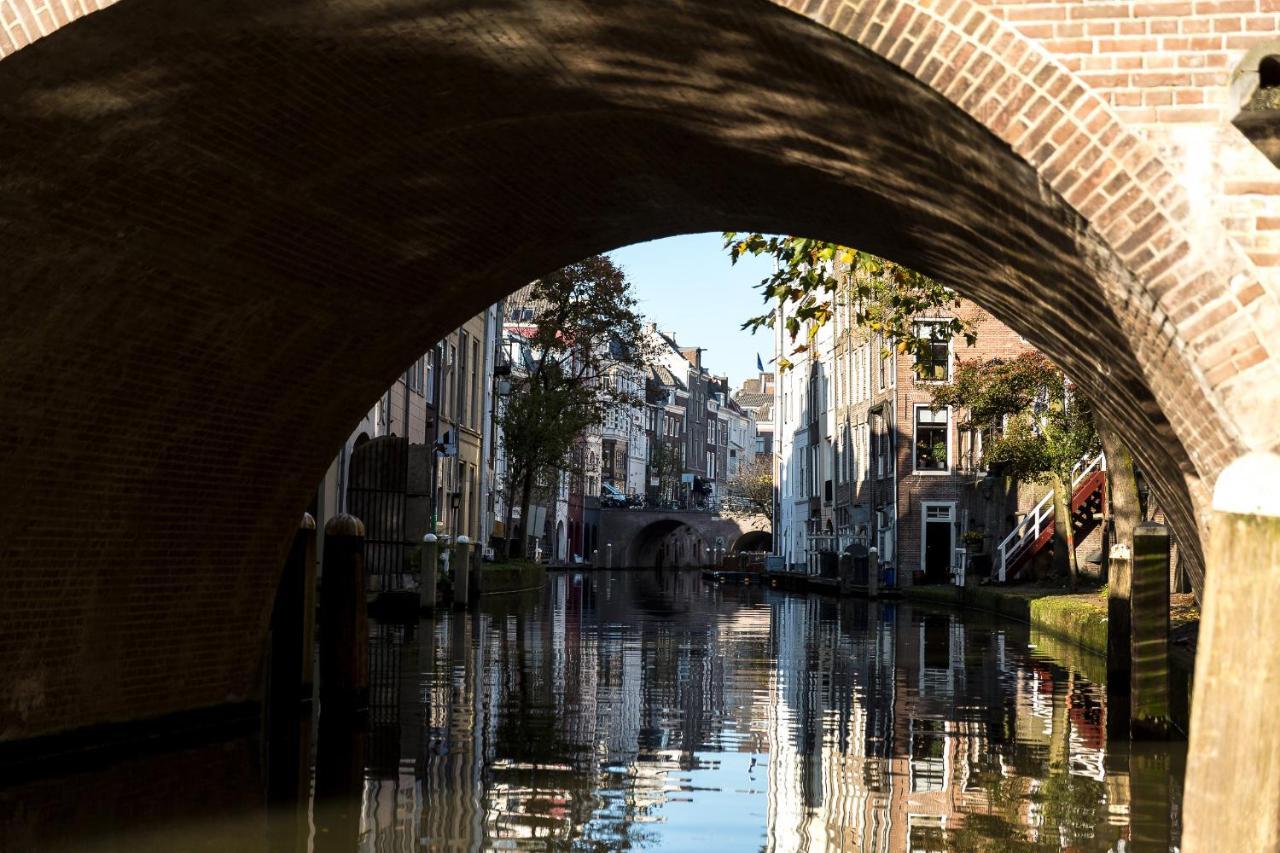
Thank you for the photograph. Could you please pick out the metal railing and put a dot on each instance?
(1034, 523)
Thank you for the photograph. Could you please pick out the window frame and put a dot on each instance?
(950, 364)
(915, 441)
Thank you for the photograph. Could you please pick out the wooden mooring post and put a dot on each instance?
(1149, 627)
(1233, 765)
(1119, 638)
(344, 617)
(293, 622)
(461, 563)
(428, 571)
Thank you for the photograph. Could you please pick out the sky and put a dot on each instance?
(687, 285)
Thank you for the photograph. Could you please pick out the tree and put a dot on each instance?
(1035, 428)
(668, 464)
(753, 484)
(816, 278)
(586, 334)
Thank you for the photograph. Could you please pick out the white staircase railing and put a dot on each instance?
(1033, 524)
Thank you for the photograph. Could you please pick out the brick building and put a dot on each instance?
(864, 458)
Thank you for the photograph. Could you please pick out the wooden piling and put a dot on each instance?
(309, 577)
(1123, 512)
(344, 618)
(476, 578)
(1233, 766)
(1149, 627)
(461, 562)
(1150, 826)
(1122, 515)
(873, 573)
(293, 622)
(428, 571)
(1119, 638)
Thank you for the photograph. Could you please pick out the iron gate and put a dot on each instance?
(376, 485)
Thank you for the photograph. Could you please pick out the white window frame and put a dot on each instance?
(951, 351)
(915, 425)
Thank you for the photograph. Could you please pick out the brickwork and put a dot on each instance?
(1165, 67)
(995, 340)
(225, 227)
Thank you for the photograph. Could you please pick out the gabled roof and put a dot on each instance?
(660, 374)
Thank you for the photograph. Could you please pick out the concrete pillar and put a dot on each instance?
(428, 571)
(461, 562)
(873, 573)
(1233, 766)
(1149, 624)
(344, 618)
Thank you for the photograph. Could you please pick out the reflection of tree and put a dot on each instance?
(1072, 806)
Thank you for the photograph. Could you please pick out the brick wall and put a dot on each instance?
(1165, 67)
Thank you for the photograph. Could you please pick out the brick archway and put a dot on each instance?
(206, 208)
(637, 534)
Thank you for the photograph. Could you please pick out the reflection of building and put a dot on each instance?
(901, 763)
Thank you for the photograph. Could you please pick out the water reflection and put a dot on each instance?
(637, 710)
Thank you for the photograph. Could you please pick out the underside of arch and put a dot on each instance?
(226, 226)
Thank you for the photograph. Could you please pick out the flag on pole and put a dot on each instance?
(759, 363)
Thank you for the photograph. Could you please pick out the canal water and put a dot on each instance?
(647, 710)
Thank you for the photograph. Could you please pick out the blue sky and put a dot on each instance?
(686, 285)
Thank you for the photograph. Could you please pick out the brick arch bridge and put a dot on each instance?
(225, 226)
(637, 534)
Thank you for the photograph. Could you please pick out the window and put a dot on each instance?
(931, 446)
(447, 400)
(432, 360)
(934, 365)
(461, 411)
(928, 757)
(475, 384)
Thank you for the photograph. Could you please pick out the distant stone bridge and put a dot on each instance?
(639, 535)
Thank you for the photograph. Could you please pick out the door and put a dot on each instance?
(938, 542)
